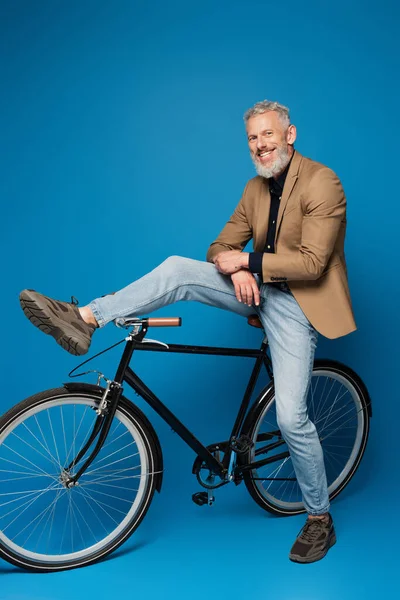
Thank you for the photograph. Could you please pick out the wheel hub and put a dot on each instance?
(66, 480)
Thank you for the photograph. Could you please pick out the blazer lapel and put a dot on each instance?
(262, 217)
(291, 179)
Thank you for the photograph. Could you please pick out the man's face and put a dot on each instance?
(270, 143)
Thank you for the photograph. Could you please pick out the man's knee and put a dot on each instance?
(291, 423)
(178, 264)
(173, 262)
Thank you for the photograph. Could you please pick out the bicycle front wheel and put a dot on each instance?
(339, 406)
(46, 526)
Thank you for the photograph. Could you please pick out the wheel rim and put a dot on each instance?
(335, 408)
(43, 521)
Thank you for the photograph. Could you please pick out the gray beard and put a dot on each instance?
(280, 164)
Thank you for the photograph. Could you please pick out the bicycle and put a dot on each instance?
(96, 460)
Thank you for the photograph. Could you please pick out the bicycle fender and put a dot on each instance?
(357, 381)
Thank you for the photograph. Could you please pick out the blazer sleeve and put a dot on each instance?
(325, 211)
(236, 233)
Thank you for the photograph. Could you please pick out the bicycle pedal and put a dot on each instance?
(202, 498)
(242, 444)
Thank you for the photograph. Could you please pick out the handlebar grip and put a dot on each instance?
(164, 322)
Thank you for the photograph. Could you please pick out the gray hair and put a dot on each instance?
(266, 105)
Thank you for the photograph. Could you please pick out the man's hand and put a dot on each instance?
(246, 287)
(231, 261)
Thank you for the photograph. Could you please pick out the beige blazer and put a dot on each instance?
(309, 242)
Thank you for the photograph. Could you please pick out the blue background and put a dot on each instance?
(123, 143)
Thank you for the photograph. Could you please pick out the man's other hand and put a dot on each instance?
(246, 288)
(231, 261)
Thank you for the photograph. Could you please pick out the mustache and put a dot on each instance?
(258, 152)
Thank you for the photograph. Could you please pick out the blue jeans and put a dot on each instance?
(292, 342)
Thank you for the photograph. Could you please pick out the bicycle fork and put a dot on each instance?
(105, 415)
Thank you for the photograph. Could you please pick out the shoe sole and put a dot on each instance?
(36, 310)
(314, 557)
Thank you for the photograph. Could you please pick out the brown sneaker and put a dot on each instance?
(313, 541)
(61, 320)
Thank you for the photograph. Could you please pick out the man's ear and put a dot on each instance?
(291, 134)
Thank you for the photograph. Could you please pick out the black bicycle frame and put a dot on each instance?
(126, 374)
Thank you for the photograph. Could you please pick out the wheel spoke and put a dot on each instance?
(115, 462)
(340, 426)
(89, 504)
(27, 460)
(276, 472)
(325, 396)
(86, 438)
(118, 487)
(101, 504)
(50, 459)
(44, 446)
(64, 433)
(27, 505)
(117, 452)
(72, 447)
(333, 412)
(95, 491)
(60, 494)
(38, 520)
(54, 439)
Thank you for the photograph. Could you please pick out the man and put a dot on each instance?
(295, 279)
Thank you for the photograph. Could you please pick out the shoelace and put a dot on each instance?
(74, 301)
(312, 529)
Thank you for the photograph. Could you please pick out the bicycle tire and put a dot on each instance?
(49, 421)
(279, 492)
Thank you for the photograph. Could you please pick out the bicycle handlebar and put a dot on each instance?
(126, 322)
(164, 322)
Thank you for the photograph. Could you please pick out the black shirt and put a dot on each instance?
(276, 190)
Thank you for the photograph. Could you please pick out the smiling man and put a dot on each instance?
(295, 279)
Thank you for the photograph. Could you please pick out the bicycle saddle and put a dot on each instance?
(254, 321)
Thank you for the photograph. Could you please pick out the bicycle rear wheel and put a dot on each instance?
(339, 406)
(46, 526)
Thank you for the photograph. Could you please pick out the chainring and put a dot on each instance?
(204, 475)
